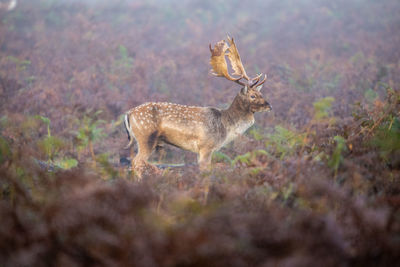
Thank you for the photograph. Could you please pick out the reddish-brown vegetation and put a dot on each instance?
(315, 183)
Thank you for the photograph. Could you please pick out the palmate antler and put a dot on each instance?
(220, 67)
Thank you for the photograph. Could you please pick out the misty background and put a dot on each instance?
(62, 58)
(315, 182)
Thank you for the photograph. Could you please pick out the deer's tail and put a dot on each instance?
(128, 129)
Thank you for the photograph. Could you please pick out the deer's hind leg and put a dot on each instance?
(146, 143)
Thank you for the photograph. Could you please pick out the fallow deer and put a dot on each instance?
(201, 130)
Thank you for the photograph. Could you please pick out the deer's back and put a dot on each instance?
(188, 127)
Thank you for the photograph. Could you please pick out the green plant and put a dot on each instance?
(381, 124)
(387, 137)
(66, 163)
(123, 63)
(256, 133)
(337, 157)
(244, 159)
(20, 64)
(283, 142)
(90, 132)
(106, 167)
(322, 107)
(5, 151)
(220, 156)
(52, 146)
(370, 95)
(249, 158)
(286, 192)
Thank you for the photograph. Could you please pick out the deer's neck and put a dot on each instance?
(238, 115)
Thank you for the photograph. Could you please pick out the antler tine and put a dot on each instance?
(260, 83)
(234, 58)
(256, 80)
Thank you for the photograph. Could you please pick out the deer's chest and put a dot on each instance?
(237, 129)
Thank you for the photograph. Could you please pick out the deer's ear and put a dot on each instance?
(244, 90)
(258, 88)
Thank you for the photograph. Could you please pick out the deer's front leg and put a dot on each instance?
(204, 159)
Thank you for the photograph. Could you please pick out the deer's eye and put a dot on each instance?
(252, 96)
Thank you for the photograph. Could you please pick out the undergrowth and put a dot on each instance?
(316, 182)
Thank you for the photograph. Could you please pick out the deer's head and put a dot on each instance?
(252, 100)
(250, 97)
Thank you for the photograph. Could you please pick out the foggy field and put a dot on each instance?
(315, 182)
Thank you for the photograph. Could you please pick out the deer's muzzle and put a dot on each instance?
(267, 106)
